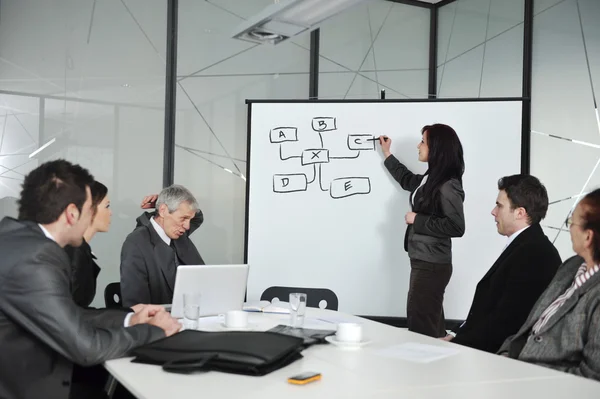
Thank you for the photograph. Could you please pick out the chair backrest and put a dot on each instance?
(313, 296)
(112, 296)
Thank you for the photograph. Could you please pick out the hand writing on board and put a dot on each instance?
(386, 143)
(447, 338)
(410, 217)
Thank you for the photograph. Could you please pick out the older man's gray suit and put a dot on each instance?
(149, 265)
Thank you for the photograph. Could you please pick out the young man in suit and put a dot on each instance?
(506, 294)
(42, 331)
(160, 242)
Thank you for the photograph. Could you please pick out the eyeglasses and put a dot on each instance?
(569, 222)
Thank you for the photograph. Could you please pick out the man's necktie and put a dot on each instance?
(177, 260)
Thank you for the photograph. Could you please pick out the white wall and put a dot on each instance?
(563, 105)
(480, 55)
(379, 46)
(480, 48)
(217, 74)
(110, 53)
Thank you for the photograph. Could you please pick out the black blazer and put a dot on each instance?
(84, 275)
(429, 237)
(148, 266)
(506, 294)
(42, 331)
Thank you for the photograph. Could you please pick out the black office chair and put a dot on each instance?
(112, 296)
(113, 300)
(314, 296)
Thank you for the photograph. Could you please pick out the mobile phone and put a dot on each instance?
(304, 378)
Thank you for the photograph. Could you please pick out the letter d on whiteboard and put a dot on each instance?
(289, 183)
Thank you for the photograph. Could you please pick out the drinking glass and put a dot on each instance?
(297, 309)
(191, 310)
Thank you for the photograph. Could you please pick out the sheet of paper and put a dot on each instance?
(415, 352)
(338, 318)
(318, 324)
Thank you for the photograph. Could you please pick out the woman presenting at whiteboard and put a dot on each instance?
(436, 216)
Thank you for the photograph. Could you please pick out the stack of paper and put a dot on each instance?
(266, 307)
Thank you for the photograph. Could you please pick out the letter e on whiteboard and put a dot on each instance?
(348, 186)
(283, 134)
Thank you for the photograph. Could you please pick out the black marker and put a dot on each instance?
(376, 139)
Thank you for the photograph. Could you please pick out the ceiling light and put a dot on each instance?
(287, 18)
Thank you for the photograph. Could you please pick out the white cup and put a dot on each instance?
(235, 319)
(349, 332)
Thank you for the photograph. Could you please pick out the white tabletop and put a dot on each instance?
(361, 372)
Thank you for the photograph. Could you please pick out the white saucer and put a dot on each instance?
(247, 327)
(348, 345)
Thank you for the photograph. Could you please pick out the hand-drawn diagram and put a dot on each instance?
(342, 187)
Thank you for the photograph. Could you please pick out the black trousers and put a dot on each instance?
(424, 308)
(90, 382)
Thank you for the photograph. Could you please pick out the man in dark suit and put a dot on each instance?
(506, 294)
(42, 331)
(159, 243)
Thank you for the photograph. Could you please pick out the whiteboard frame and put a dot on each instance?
(525, 157)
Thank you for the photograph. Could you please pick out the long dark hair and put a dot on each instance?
(99, 192)
(445, 162)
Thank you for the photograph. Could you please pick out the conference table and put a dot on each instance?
(374, 370)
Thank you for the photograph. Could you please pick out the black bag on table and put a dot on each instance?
(239, 352)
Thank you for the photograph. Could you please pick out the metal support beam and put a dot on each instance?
(527, 71)
(415, 3)
(313, 83)
(433, 38)
(170, 93)
(443, 3)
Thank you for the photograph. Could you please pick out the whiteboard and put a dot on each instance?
(323, 211)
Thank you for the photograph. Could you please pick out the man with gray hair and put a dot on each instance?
(159, 243)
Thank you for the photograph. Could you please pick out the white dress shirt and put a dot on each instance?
(48, 235)
(514, 235)
(415, 192)
(160, 231)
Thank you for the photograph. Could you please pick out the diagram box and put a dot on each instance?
(283, 134)
(348, 186)
(324, 124)
(318, 155)
(289, 183)
(361, 142)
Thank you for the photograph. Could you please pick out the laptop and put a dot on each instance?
(221, 287)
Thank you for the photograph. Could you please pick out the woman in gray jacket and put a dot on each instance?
(563, 329)
(436, 201)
